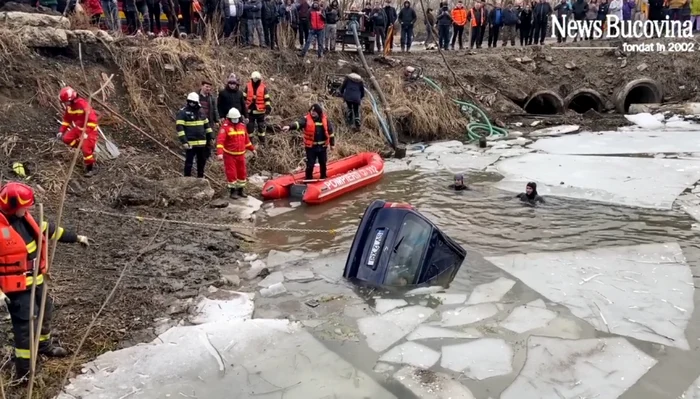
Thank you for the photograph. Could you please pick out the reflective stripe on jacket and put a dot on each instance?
(75, 114)
(15, 265)
(233, 139)
(312, 136)
(192, 129)
(260, 98)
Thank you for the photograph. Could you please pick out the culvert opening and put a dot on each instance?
(584, 102)
(643, 93)
(544, 104)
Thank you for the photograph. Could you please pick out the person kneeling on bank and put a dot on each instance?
(318, 136)
(231, 145)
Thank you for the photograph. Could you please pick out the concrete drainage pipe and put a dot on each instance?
(544, 102)
(638, 91)
(583, 100)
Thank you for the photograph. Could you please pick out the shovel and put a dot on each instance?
(112, 148)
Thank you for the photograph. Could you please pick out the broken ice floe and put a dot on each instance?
(227, 306)
(643, 291)
(590, 368)
(277, 258)
(646, 120)
(610, 143)
(555, 130)
(468, 315)
(642, 182)
(450, 299)
(299, 275)
(693, 392)
(412, 354)
(453, 156)
(491, 292)
(261, 358)
(528, 317)
(431, 332)
(480, 359)
(426, 384)
(384, 330)
(385, 305)
(273, 278)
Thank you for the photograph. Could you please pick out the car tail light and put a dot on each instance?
(398, 205)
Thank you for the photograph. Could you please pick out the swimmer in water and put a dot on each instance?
(530, 195)
(459, 184)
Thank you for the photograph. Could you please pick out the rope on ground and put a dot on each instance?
(213, 225)
(109, 297)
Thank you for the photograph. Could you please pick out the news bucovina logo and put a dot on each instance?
(681, 33)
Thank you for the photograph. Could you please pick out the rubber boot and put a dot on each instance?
(241, 193)
(22, 370)
(52, 350)
(232, 193)
(90, 170)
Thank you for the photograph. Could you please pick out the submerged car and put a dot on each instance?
(397, 246)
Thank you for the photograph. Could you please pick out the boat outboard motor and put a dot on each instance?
(397, 246)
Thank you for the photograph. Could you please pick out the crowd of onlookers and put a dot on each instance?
(264, 22)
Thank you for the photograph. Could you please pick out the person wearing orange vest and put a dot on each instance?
(76, 108)
(459, 19)
(257, 100)
(19, 240)
(318, 136)
(318, 27)
(477, 17)
(231, 144)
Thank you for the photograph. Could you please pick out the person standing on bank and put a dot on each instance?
(208, 103)
(318, 136)
(195, 135)
(257, 100)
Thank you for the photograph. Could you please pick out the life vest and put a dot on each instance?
(476, 23)
(317, 22)
(310, 131)
(15, 268)
(459, 16)
(255, 95)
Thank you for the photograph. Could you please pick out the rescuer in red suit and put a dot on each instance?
(19, 241)
(76, 108)
(231, 144)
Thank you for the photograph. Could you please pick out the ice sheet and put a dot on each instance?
(468, 315)
(426, 384)
(384, 330)
(642, 182)
(258, 358)
(641, 142)
(385, 305)
(527, 317)
(272, 279)
(450, 299)
(645, 121)
(413, 354)
(555, 130)
(491, 292)
(430, 332)
(299, 275)
(693, 391)
(643, 291)
(480, 359)
(228, 306)
(590, 368)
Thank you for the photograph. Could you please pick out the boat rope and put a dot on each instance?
(214, 225)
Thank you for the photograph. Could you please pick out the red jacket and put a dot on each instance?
(233, 139)
(93, 7)
(317, 20)
(75, 114)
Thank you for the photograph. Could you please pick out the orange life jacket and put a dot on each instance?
(473, 18)
(255, 95)
(233, 139)
(459, 16)
(15, 268)
(317, 21)
(310, 131)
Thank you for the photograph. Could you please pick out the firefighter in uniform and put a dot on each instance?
(19, 238)
(194, 134)
(76, 108)
(318, 136)
(231, 144)
(257, 100)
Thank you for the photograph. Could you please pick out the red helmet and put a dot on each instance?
(14, 196)
(68, 94)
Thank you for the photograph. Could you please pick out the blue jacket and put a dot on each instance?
(353, 89)
(510, 17)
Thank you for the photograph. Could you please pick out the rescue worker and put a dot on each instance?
(76, 108)
(459, 184)
(231, 144)
(530, 195)
(318, 136)
(257, 100)
(195, 134)
(19, 240)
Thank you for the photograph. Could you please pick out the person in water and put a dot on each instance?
(459, 184)
(530, 195)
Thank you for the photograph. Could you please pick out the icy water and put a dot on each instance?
(491, 223)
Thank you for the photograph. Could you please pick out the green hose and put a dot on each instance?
(475, 130)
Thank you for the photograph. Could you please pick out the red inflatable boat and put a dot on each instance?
(344, 175)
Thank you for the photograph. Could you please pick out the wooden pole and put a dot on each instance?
(33, 350)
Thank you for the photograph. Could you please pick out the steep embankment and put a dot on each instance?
(151, 80)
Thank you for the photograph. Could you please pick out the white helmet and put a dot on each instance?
(255, 76)
(233, 114)
(194, 97)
